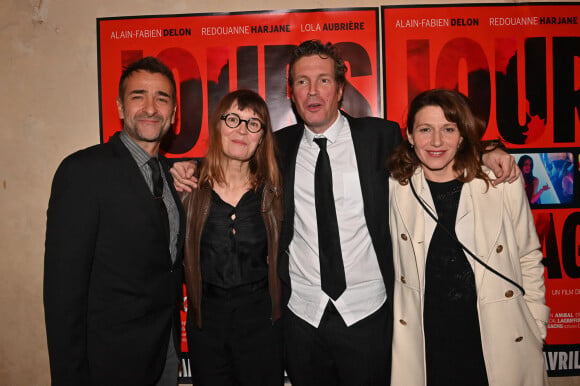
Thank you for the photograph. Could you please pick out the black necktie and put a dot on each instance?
(158, 192)
(331, 266)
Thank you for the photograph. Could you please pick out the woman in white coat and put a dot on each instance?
(457, 321)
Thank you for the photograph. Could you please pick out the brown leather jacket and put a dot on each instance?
(197, 204)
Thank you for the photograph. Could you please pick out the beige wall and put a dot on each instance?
(49, 108)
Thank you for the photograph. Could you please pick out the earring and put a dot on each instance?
(412, 146)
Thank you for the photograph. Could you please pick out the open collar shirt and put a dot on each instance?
(141, 157)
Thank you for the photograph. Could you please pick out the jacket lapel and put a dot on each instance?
(414, 217)
(287, 141)
(290, 148)
(487, 211)
(373, 179)
(131, 173)
(364, 161)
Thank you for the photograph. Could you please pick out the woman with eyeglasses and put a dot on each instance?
(469, 299)
(233, 224)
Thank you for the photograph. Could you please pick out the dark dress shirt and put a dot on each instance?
(234, 243)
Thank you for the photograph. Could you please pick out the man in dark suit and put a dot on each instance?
(339, 339)
(113, 271)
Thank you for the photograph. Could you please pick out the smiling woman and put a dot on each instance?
(436, 141)
(486, 307)
(241, 133)
(233, 222)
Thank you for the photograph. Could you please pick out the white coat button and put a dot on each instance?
(519, 338)
(404, 236)
(403, 322)
(499, 248)
(403, 280)
(509, 293)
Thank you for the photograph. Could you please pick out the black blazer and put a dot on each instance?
(111, 292)
(374, 139)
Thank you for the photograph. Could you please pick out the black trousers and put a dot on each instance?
(336, 355)
(238, 344)
(169, 375)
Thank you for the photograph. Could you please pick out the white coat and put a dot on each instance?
(497, 225)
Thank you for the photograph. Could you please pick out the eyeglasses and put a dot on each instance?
(233, 120)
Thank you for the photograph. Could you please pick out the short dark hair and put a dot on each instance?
(325, 51)
(151, 65)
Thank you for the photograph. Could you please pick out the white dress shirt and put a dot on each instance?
(365, 292)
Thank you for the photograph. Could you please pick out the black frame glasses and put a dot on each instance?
(233, 120)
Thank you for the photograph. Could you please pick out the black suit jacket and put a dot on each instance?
(111, 292)
(374, 139)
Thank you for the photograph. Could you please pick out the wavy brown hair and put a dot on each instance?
(458, 109)
(263, 166)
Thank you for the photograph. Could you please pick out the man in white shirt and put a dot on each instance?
(345, 341)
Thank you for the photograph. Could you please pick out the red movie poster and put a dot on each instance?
(212, 54)
(520, 65)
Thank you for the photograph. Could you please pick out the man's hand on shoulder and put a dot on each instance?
(183, 175)
(502, 164)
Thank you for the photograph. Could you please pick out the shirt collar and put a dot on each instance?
(140, 155)
(332, 133)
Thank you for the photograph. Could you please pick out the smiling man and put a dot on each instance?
(113, 271)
